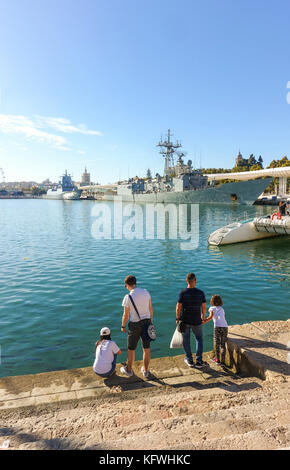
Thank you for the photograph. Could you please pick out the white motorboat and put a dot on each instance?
(254, 229)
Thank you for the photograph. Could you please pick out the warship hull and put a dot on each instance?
(59, 194)
(242, 192)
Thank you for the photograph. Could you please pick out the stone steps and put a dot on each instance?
(178, 408)
(273, 437)
(188, 418)
(211, 420)
(171, 432)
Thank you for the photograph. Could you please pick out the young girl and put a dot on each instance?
(106, 352)
(216, 312)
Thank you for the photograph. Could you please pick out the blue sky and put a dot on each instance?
(96, 82)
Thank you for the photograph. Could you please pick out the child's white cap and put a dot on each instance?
(105, 331)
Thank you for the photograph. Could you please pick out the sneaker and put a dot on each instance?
(200, 364)
(215, 360)
(145, 372)
(189, 363)
(124, 370)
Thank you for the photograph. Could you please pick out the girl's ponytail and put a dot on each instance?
(103, 338)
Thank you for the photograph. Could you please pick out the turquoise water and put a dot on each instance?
(59, 285)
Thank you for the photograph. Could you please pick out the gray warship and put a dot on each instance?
(181, 183)
(65, 189)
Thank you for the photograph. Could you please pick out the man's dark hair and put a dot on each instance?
(190, 278)
(130, 280)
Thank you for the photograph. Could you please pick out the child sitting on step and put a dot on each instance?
(106, 352)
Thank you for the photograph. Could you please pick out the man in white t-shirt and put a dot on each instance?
(138, 320)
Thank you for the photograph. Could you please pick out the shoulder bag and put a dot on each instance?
(149, 331)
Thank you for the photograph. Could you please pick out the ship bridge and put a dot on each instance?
(282, 173)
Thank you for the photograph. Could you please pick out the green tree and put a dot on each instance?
(237, 169)
(252, 161)
(277, 164)
(36, 191)
(208, 171)
(255, 167)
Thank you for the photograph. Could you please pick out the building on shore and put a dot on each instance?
(248, 162)
(239, 159)
(18, 185)
(86, 178)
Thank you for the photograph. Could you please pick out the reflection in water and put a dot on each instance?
(270, 254)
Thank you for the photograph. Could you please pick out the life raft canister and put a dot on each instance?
(277, 214)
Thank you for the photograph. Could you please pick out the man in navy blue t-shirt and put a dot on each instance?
(191, 311)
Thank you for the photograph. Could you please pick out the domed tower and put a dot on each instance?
(86, 178)
(239, 159)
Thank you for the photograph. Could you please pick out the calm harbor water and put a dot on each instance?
(59, 285)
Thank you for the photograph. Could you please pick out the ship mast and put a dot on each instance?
(167, 150)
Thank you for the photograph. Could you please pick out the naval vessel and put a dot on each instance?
(66, 189)
(181, 183)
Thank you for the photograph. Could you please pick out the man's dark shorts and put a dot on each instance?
(135, 333)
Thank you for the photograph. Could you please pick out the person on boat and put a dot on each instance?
(138, 306)
(282, 208)
(217, 314)
(106, 352)
(190, 311)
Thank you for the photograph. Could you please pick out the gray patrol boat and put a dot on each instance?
(181, 183)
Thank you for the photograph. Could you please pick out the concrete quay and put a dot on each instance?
(242, 406)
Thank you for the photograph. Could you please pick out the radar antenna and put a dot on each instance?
(168, 149)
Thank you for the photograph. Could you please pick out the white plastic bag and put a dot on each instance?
(177, 340)
(5, 444)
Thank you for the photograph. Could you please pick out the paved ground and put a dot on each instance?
(245, 407)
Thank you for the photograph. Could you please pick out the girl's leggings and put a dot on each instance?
(220, 339)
